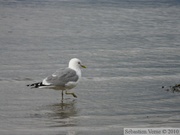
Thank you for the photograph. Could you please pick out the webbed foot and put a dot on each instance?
(71, 93)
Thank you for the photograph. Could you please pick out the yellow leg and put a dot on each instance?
(71, 93)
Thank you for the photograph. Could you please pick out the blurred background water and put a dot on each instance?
(131, 49)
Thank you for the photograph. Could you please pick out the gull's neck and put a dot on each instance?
(76, 68)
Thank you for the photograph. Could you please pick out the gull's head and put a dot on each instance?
(76, 64)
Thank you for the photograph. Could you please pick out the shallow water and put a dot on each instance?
(131, 50)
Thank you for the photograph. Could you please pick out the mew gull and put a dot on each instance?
(63, 79)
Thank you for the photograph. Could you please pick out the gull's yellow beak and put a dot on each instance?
(83, 66)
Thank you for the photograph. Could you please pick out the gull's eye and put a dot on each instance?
(79, 63)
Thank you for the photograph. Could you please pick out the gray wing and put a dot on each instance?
(60, 78)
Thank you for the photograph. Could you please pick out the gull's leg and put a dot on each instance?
(62, 94)
(71, 93)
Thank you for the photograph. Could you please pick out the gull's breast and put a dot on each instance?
(71, 85)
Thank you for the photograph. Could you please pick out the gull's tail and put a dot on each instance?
(36, 85)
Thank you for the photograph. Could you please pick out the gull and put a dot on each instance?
(64, 80)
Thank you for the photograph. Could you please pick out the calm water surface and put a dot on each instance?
(131, 49)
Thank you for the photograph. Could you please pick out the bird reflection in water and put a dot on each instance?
(61, 114)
